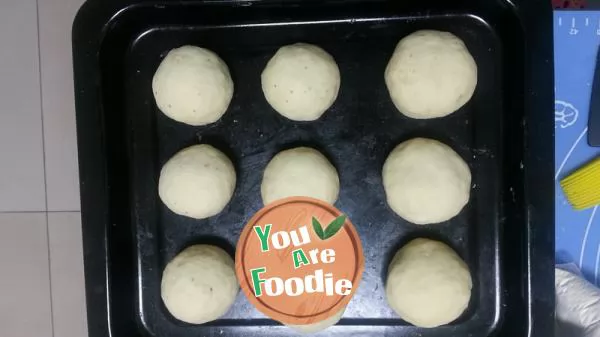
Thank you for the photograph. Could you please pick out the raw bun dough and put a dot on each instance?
(301, 171)
(192, 85)
(431, 74)
(425, 181)
(301, 81)
(322, 325)
(428, 284)
(197, 182)
(199, 284)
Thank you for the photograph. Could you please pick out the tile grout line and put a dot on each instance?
(37, 13)
(29, 212)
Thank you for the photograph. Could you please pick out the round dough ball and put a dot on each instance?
(428, 284)
(197, 182)
(425, 181)
(431, 74)
(301, 171)
(301, 81)
(322, 325)
(199, 285)
(192, 85)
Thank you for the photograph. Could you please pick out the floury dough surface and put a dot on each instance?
(199, 285)
(431, 74)
(197, 182)
(300, 171)
(192, 85)
(428, 284)
(425, 181)
(301, 81)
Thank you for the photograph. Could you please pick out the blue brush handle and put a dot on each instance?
(594, 117)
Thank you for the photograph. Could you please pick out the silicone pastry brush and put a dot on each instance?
(582, 188)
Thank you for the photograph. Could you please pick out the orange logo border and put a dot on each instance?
(289, 318)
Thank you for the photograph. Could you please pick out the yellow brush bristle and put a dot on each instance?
(582, 188)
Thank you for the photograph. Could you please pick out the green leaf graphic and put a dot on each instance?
(317, 227)
(334, 227)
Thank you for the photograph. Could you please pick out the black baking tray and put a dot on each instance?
(505, 133)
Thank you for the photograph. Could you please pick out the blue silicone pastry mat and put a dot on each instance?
(576, 42)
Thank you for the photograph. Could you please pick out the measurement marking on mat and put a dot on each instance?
(560, 21)
(587, 22)
(573, 30)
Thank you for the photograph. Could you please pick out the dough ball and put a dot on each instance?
(322, 325)
(197, 182)
(431, 74)
(192, 85)
(301, 81)
(425, 181)
(428, 284)
(301, 171)
(199, 284)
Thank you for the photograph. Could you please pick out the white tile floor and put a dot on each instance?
(42, 284)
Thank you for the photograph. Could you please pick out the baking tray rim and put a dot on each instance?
(90, 27)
